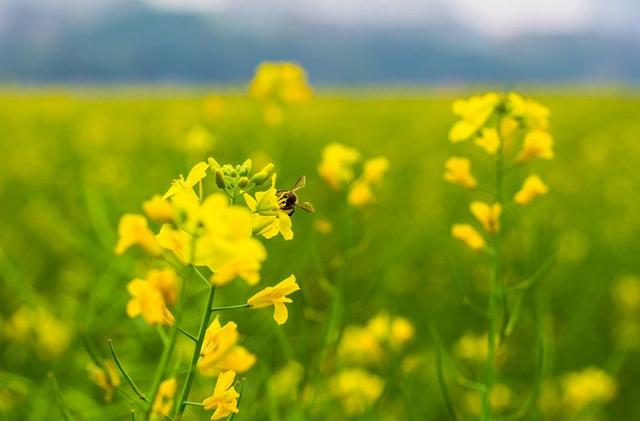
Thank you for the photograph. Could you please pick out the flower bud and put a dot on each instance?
(260, 177)
(219, 176)
(243, 182)
(268, 169)
(247, 165)
(213, 164)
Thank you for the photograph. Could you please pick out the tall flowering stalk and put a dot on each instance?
(513, 131)
(212, 237)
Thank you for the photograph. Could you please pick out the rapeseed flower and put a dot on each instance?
(361, 192)
(474, 113)
(458, 171)
(182, 185)
(359, 345)
(220, 351)
(283, 384)
(467, 234)
(356, 389)
(158, 209)
(105, 377)
(276, 296)
(537, 144)
(530, 113)
(224, 400)
(488, 140)
(471, 347)
(285, 82)
(591, 385)
(336, 167)
(268, 219)
(396, 331)
(165, 281)
(532, 187)
(164, 399)
(148, 302)
(133, 229)
(487, 215)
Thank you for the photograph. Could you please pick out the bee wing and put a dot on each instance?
(306, 206)
(302, 181)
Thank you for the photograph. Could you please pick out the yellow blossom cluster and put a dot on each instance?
(105, 376)
(360, 346)
(218, 233)
(495, 122)
(591, 385)
(38, 327)
(337, 169)
(626, 299)
(276, 84)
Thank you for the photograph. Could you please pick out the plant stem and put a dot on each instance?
(206, 315)
(126, 375)
(229, 307)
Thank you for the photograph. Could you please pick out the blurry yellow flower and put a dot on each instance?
(468, 235)
(474, 113)
(626, 294)
(224, 399)
(531, 188)
(360, 193)
(471, 347)
(458, 171)
(590, 385)
(359, 346)
(284, 81)
(220, 351)
(336, 167)
(323, 226)
(509, 126)
(488, 215)
(283, 384)
(489, 140)
(356, 389)
(134, 230)
(394, 330)
(147, 301)
(532, 114)
(50, 336)
(107, 380)
(273, 115)
(197, 139)
(374, 169)
(164, 399)
(177, 241)
(277, 297)
(158, 209)
(182, 185)
(499, 401)
(537, 144)
(165, 281)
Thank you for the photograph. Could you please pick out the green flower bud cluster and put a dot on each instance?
(238, 180)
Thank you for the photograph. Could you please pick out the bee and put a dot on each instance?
(288, 201)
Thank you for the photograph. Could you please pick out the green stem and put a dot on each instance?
(192, 403)
(206, 315)
(187, 334)
(229, 307)
(125, 374)
(495, 288)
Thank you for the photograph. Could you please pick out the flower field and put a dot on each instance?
(448, 255)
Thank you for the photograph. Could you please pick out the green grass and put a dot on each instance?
(72, 162)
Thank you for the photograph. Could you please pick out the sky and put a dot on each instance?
(497, 18)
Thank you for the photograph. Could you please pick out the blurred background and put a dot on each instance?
(354, 42)
(104, 102)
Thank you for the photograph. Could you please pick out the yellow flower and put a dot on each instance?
(471, 347)
(590, 385)
(134, 230)
(285, 82)
(323, 226)
(107, 380)
(227, 246)
(395, 330)
(336, 167)
(489, 140)
(458, 171)
(273, 115)
(147, 301)
(277, 297)
(531, 188)
(529, 112)
(468, 235)
(165, 281)
(220, 351)
(182, 185)
(500, 399)
(626, 294)
(197, 139)
(360, 193)
(50, 336)
(360, 346)
(283, 384)
(158, 209)
(177, 241)
(488, 215)
(164, 399)
(357, 390)
(537, 144)
(374, 169)
(268, 219)
(474, 113)
(224, 399)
